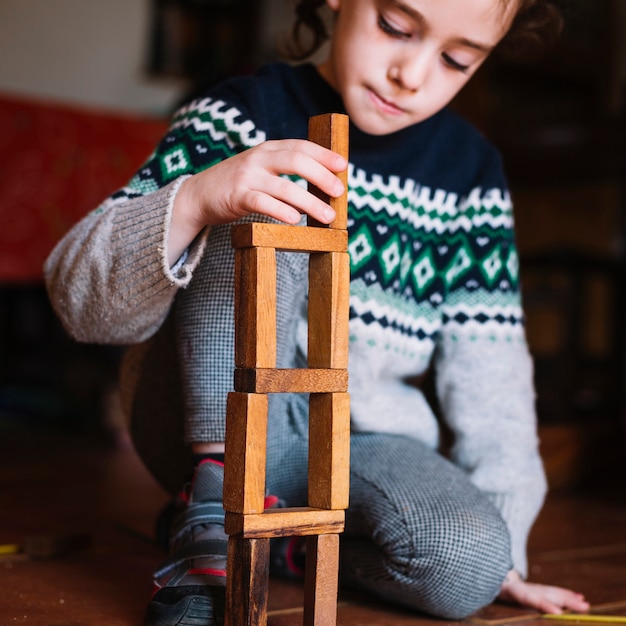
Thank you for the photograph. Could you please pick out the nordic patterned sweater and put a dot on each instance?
(434, 280)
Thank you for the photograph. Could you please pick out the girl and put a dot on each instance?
(434, 281)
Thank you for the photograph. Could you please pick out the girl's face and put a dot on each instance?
(397, 62)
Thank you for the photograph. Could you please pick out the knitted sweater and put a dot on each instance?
(434, 280)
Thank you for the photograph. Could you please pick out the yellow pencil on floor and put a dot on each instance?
(586, 617)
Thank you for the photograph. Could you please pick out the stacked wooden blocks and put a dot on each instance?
(326, 380)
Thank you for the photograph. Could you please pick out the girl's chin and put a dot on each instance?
(372, 124)
(374, 120)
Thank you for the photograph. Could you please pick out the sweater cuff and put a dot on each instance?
(519, 513)
(180, 273)
(147, 220)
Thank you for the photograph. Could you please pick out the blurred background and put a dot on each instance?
(86, 88)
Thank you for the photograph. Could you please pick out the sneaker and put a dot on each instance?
(189, 587)
(287, 557)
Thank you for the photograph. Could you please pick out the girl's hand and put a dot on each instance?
(251, 182)
(544, 598)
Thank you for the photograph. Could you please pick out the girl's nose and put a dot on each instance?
(410, 72)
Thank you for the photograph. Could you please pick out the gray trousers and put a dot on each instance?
(418, 533)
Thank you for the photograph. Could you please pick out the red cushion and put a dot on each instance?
(57, 163)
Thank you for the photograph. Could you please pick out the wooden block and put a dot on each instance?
(326, 379)
(255, 307)
(247, 582)
(331, 131)
(285, 523)
(329, 450)
(288, 238)
(245, 455)
(329, 310)
(290, 380)
(321, 583)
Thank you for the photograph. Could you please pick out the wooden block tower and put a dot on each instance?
(325, 379)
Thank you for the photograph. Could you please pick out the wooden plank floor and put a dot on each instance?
(53, 484)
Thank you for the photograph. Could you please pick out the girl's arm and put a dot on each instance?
(484, 383)
(254, 182)
(485, 387)
(111, 279)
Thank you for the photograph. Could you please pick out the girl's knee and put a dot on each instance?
(450, 567)
(437, 543)
(459, 568)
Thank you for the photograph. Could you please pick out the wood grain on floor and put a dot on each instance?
(59, 484)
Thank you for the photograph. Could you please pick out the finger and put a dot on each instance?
(311, 170)
(285, 200)
(247, 182)
(568, 599)
(555, 599)
(269, 206)
(537, 598)
(304, 159)
(302, 200)
(578, 604)
(546, 606)
(331, 160)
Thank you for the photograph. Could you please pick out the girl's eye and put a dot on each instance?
(387, 28)
(455, 65)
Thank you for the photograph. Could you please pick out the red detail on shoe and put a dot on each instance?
(211, 461)
(291, 548)
(270, 502)
(207, 571)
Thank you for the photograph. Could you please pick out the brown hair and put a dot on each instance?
(536, 23)
(308, 18)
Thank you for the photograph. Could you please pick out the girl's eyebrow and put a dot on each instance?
(481, 47)
(415, 15)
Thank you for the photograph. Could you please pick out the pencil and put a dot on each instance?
(586, 617)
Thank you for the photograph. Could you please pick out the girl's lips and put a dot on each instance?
(384, 105)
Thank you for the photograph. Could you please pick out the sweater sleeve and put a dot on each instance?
(485, 373)
(487, 396)
(204, 320)
(108, 278)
